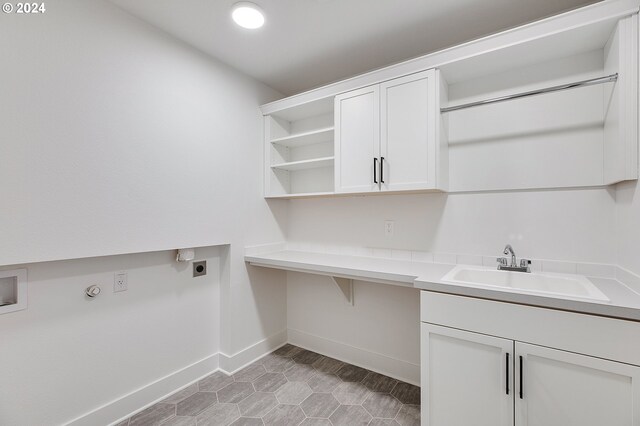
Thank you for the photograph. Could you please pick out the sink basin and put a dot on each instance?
(567, 286)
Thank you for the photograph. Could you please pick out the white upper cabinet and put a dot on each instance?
(408, 135)
(357, 140)
(387, 136)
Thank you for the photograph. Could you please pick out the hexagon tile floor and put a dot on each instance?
(289, 387)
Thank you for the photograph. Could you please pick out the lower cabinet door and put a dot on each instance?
(557, 388)
(467, 378)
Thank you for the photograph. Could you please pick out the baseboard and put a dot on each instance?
(399, 369)
(138, 400)
(232, 363)
(148, 395)
(142, 398)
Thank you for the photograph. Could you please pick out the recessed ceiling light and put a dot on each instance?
(247, 15)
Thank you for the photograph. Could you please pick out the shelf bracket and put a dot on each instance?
(345, 285)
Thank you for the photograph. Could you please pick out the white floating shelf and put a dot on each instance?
(307, 138)
(314, 163)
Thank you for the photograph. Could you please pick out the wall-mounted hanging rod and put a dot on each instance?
(583, 83)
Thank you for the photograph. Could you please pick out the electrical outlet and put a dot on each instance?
(120, 282)
(388, 228)
(200, 268)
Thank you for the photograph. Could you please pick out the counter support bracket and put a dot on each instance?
(345, 285)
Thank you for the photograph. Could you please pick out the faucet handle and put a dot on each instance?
(525, 263)
(502, 261)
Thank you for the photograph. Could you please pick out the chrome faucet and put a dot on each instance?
(508, 249)
(502, 262)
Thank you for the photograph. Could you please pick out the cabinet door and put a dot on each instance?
(467, 378)
(357, 140)
(566, 389)
(408, 132)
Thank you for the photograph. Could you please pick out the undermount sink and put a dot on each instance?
(547, 284)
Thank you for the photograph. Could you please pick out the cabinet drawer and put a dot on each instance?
(602, 337)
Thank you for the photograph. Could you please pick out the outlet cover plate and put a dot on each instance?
(120, 282)
(388, 228)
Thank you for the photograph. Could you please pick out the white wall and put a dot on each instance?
(67, 354)
(570, 225)
(380, 331)
(116, 138)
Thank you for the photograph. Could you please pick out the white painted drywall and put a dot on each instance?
(380, 331)
(68, 354)
(116, 138)
(571, 225)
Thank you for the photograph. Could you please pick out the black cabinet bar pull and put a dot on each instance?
(507, 374)
(375, 167)
(381, 169)
(520, 377)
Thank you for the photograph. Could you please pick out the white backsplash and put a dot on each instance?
(540, 265)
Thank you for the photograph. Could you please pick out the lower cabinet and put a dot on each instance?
(475, 379)
(562, 388)
(467, 378)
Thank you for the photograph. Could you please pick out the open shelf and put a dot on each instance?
(590, 130)
(313, 163)
(299, 150)
(519, 56)
(306, 138)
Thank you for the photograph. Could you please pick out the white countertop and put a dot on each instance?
(624, 303)
(386, 271)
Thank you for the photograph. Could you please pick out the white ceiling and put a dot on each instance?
(309, 43)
